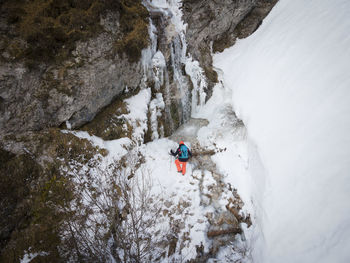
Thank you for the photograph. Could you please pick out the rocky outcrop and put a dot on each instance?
(213, 26)
(35, 192)
(246, 26)
(45, 84)
(73, 91)
(61, 62)
(208, 20)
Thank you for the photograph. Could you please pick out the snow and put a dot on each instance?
(137, 116)
(183, 191)
(156, 106)
(173, 8)
(138, 107)
(116, 148)
(224, 133)
(177, 189)
(69, 125)
(196, 74)
(290, 85)
(28, 257)
(96, 181)
(159, 66)
(176, 31)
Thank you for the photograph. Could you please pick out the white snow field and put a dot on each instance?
(290, 84)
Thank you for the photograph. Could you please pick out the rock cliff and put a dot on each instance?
(66, 60)
(214, 26)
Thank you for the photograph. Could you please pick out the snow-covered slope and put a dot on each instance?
(291, 87)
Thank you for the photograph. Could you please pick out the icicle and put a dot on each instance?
(196, 74)
(159, 66)
(179, 59)
(156, 106)
(148, 53)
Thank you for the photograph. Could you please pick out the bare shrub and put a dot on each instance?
(115, 215)
(140, 232)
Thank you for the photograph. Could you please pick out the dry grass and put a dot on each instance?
(134, 25)
(52, 27)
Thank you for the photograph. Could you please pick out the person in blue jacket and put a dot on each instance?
(182, 153)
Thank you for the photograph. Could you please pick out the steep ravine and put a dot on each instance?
(125, 71)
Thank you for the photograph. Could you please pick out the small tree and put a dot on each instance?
(115, 214)
(139, 232)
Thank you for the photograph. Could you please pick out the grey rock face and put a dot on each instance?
(246, 26)
(74, 90)
(217, 24)
(103, 78)
(208, 20)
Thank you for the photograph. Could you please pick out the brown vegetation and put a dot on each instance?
(35, 199)
(30, 196)
(215, 233)
(108, 123)
(50, 28)
(134, 26)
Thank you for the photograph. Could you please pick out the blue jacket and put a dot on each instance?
(178, 153)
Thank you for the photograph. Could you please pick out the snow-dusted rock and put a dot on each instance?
(73, 91)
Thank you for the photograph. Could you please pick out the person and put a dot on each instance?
(182, 153)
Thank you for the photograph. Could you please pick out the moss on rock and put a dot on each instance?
(134, 26)
(17, 174)
(36, 198)
(21, 194)
(211, 74)
(66, 146)
(106, 123)
(175, 114)
(52, 27)
(109, 123)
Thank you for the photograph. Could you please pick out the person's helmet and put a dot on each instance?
(181, 142)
